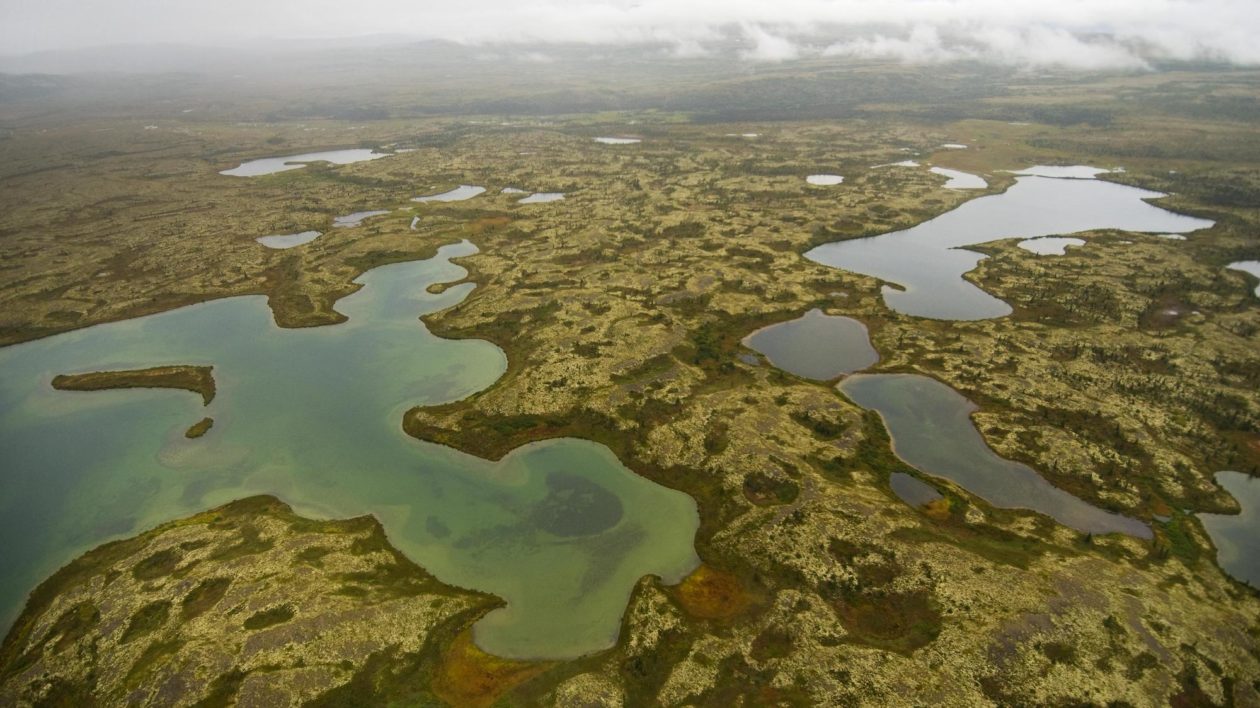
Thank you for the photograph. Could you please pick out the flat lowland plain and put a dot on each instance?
(1127, 374)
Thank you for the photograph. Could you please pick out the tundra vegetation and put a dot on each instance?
(1127, 374)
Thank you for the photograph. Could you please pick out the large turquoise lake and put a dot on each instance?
(560, 529)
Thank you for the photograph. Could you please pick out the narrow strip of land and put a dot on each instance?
(197, 379)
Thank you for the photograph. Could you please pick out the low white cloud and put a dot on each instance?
(1035, 46)
(1072, 33)
(767, 46)
(1043, 46)
(922, 45)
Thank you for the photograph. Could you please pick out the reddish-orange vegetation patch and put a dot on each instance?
(487, 223)
(710, 593)
(937, 509)
(898, 621)
(1159, 506)
(470, 677)
(1247, 451)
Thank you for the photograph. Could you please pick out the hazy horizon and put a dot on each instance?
(1071, 34)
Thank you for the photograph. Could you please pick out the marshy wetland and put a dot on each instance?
(585, 418)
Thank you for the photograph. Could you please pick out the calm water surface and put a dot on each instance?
(352, 220)
(815, 346)
(541, 198)
(459, 194)
(930, 424)
(960, 180)
(1251, 267)
(824, 180)
(1237, 543)
(272, 165)
(559, 529)
(288, 240)
(1050, 245)
(912, 490)
(927, 262)
(1062, 171)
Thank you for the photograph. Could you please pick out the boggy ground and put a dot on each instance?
(621, 310)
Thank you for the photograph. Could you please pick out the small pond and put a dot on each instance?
(912, 490)
(618, 141)
(1050, 245)
(459, 194)
(824, 180)
(288, 240)
(352, 220)
(815, 346)
(541, 198)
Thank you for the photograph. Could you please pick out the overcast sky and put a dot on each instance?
(1073, 33)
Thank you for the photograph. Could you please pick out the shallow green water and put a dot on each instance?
(1237, 543)
(559, 529)
(930, 424)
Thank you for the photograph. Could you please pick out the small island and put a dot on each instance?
(199, 428)
(197, 379)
